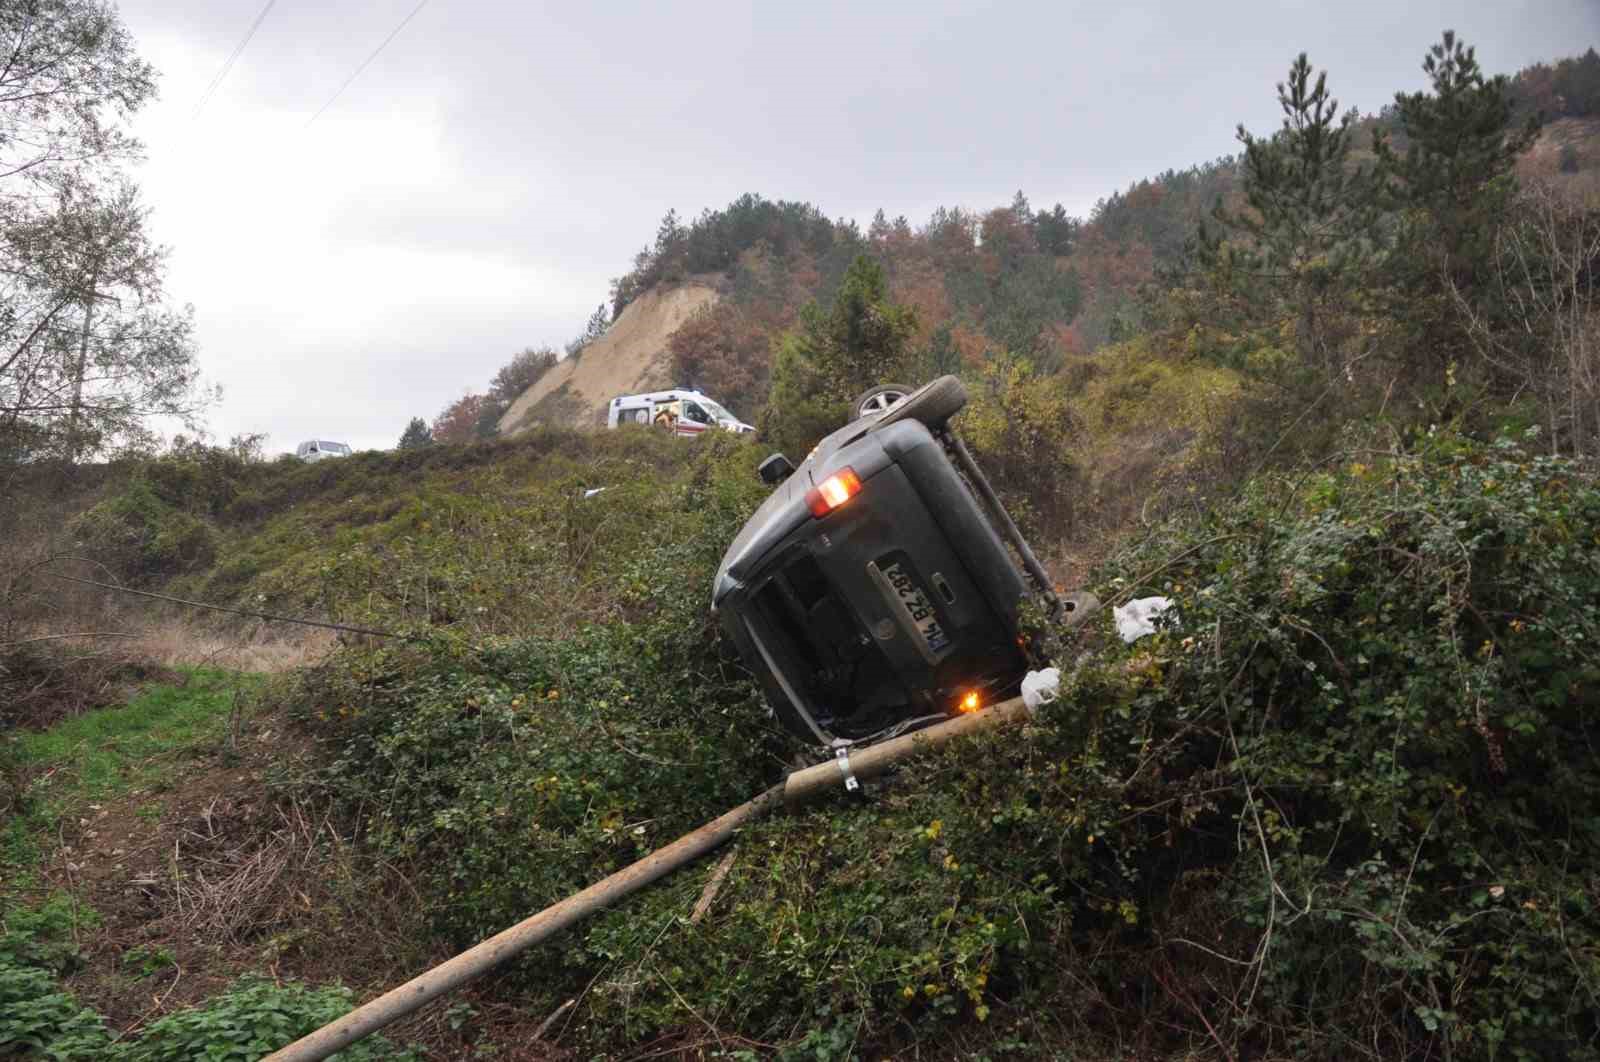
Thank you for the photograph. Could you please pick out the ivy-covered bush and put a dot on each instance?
(512, 772)
(138, 534)
(1360, 770)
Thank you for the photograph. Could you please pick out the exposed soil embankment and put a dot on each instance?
(631, 356)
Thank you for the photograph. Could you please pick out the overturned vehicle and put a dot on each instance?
(879, 587)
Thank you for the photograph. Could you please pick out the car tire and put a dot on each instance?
(933, 404)
(880, 399)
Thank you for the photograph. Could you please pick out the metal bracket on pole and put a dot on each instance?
(842, 758)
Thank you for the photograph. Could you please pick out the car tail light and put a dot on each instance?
(833, 492)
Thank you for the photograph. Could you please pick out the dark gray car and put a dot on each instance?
(874, 590)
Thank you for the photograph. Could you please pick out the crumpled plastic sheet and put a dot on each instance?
(1041, 687)
(1138, 617)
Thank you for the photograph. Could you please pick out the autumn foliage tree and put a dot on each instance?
(520, 373)
(458, 421)
(723, 350)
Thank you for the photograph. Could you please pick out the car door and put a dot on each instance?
(694, 420)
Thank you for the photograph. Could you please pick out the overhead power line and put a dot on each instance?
(222, 74)
(367, 62)
(224, 608)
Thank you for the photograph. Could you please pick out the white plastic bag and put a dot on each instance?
(1041, 687)
(1138, 618)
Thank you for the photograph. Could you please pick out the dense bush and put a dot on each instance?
(512, 771)
(1366, 759)
(36, 1014)
(513, 776)
(1023, 431)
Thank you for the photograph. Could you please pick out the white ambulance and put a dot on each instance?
(685, 412)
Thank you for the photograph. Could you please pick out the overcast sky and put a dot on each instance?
(475, 189)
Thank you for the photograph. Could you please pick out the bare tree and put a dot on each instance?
(1541, 334)
(89, 348)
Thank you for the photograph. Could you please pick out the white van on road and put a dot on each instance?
(685, 412)
(321, 449)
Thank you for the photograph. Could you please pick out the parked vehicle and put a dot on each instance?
(874, 591)
(686, 412)
(321, 449)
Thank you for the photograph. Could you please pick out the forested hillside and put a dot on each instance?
(1013, 279)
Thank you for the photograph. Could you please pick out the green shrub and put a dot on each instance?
(45, 936)
(252, 1019)
(1361, 772)
(139, 535)
(513, 776)
(37, 1017)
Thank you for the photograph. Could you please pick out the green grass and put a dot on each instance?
(106, 753)
(101, 756)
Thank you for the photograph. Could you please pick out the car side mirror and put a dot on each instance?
(775, 470)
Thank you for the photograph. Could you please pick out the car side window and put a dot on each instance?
(692, 411)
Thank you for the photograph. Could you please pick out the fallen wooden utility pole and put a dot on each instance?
(480, 958)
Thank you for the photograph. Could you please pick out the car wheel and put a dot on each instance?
(933, 404)
(878, 400)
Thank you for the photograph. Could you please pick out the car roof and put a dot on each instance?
(674, 393)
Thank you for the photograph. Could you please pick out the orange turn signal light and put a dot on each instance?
(833, 492)
(971, 702)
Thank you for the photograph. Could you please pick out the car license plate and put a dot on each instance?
(911, 598)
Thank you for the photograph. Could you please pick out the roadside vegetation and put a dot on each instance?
(1338, 806)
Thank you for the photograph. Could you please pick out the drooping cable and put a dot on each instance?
(238, 50)
(366, 62)
(273, 617)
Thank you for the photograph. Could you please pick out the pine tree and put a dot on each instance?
(599, 321)
(416, 436)
(1307, 246)
(861, 341)
(1452, 188)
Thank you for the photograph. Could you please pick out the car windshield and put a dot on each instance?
(715, 410)
(333, 448)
